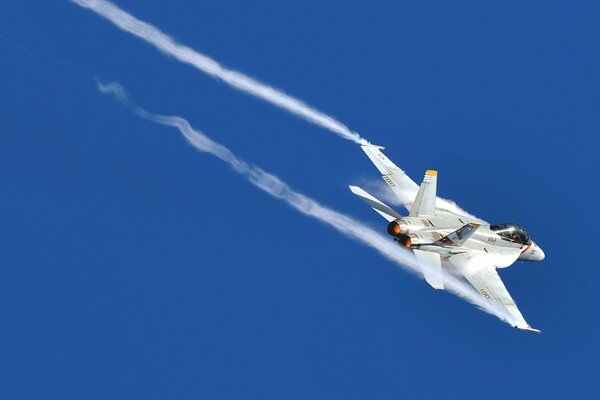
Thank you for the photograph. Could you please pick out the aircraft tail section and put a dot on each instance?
(377, 205)
(459, 236)
(424, 204)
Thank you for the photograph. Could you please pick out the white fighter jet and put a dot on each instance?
(451, 241)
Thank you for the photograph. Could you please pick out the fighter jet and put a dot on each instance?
(451, 241)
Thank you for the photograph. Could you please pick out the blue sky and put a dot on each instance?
(135, 267)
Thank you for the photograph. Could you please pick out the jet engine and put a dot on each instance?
(405, 225)
(397, 227)
(411, 240)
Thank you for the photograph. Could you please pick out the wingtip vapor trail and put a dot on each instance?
(278, 189)
(213, 68)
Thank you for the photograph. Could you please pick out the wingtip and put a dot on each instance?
(368, 145)
(529, 329)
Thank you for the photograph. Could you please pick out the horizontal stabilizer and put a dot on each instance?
(432, 268)
(382, 209)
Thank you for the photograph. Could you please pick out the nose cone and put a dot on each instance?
(540, 253)
(533, 253)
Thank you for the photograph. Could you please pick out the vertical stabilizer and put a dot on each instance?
(424, 204)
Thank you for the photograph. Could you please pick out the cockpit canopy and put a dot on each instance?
(512, 233)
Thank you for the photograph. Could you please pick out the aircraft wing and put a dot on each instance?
(403, 187)
(480, 271)
(406, 190)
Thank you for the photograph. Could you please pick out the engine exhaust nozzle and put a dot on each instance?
(397, 228)
(409, 241)
(393, 228)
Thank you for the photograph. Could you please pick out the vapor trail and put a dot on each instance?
(280, 190)
(167, 45)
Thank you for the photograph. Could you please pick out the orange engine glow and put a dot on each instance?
(393, 228)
